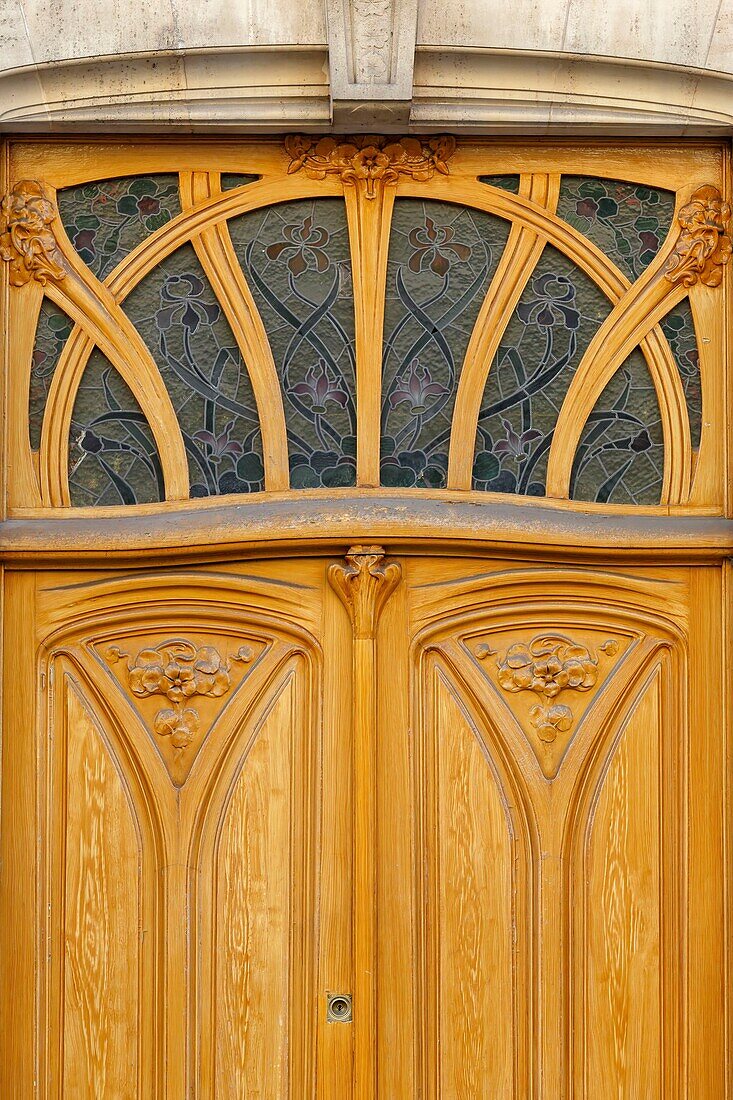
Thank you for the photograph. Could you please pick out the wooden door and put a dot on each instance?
(365, 517)
(552, 833)
(175, 887)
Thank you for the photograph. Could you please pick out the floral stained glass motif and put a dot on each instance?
(178, 316)
(52, 332)
(627, 221)
(297, 262)
(679, 329)
(112, 455)
(620, 457)
(556, 318)
(441, 260)
(105, 220)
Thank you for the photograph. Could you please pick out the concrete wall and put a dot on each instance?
(608, 66)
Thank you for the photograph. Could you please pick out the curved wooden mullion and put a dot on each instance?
(215, 251)
(104, 324)
(369, 220)
(709, 331)
(628, 325)
(520, 257)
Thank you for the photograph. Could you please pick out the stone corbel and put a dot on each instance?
(372, 58)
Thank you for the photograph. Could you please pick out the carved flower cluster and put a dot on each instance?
(547, 665)
(179, 670)
(703, 247)
(27, 242)
(369, 159)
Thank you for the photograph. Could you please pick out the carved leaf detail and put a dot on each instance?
(703, 246)
(369, 160)
(363, 584)
(27, 241)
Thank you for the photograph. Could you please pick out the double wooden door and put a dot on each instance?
(390, 826)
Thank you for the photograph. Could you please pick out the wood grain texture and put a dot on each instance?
(471, 865)
(622, 930)
(100, 1008)
(254, 915)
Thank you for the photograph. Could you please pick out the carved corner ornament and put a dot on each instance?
(364, 584)
(703, 247)
(27, 241)
(548, 665)
(369, 161)
(178, 671)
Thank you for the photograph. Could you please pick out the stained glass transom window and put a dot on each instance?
(620, 458)
(112, 455)
(107, 219)
(441, 261)
(556, 318)
(628, 222)
(52, 332)
(177, 314)
(297, 262)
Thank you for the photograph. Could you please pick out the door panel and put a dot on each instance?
(177, 755)
(98, 900)
(556, 883)
(476, 870)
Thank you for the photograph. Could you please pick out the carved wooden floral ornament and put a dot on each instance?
(27, 241)
(703, 246)
(369, 159)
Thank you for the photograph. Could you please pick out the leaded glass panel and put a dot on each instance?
(620, 458)
(441, 260)
(230, 180)
(679, 328)
(505, 183)
(627, 221)
(106, 219)
(52, 332)
(297, 261)
(112, 455)
(556, 318)
(178, 316)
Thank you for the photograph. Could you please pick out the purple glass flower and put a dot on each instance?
(319, 387)
(552, 303)
(515, 445)
(416, 386)
(220, 445)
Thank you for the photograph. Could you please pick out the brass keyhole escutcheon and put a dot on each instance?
(338, 1008)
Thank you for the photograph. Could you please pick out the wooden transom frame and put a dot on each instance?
(693, 482)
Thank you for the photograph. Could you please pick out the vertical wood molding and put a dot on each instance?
(364, 585)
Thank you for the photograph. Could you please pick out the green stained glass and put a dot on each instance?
(679, 328)
(175, 311)
(52, 332)
(441, 260)
(297, 262)
(112, 454)
(620, 458)
(505, 183)
(557, 316)
(230, 180)
(105, 220)
(627, 221)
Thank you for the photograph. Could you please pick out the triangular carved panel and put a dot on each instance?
(549, 679)
(179, 685)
